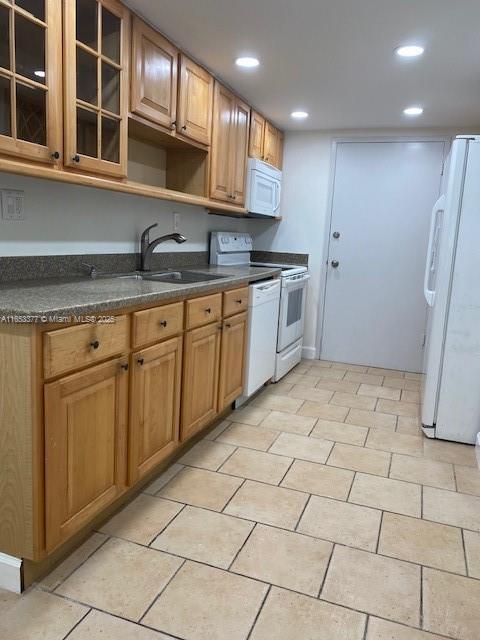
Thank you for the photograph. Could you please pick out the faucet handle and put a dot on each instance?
(148, 229)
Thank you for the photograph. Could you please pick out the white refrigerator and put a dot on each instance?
(451, 380)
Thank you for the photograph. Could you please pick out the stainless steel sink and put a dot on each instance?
(182, 276)
(172, 276)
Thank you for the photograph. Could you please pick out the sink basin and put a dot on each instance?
(172, 276)
(182, 276)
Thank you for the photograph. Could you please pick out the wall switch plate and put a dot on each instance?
(13, 204)
(176, 222)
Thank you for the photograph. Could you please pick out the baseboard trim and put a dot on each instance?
(309, 353)
(10, 573)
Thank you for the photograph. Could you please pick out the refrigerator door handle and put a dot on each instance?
(438, 207)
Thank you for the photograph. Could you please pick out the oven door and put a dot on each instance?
(292, 311)
(263, 194)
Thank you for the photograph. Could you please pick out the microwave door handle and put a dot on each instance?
(429, 293)
(277, 196)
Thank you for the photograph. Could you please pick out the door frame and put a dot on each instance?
(336, 141)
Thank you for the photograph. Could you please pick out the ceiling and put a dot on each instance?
(335, 58)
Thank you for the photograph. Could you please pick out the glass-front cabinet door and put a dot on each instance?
(96, 85)
(30, 79)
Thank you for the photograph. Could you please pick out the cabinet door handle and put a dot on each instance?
(124, 366)
(55, 155)
(163, 323)
(140, 361)
(208, 310)
(94, 345)
(228, 325)
(239, 301)
(76, 158)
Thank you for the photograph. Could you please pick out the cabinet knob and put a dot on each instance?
(208, 310)
(140, 361)
(163, 323)
(239, 301)
(184, 128)
(124, 366)
(55, 155)
(335, 263)
(76, 159)
(228, 325)
(173, 125)
(94, 345)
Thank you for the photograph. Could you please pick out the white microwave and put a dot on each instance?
(264, 186)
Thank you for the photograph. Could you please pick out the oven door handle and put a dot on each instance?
(296, 284)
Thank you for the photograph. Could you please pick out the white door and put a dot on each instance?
(382, 199)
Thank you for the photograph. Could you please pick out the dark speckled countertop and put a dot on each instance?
(76, 296)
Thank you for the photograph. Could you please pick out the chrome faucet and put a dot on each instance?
(147, 248)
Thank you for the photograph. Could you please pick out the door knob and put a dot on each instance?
(335, 263)
(336, 234)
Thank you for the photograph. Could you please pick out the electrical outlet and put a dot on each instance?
(176, 222)
(13, 204)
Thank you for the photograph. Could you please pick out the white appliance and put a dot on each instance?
(230, 248)
(264, 186)
(263, 303)
(451, 381)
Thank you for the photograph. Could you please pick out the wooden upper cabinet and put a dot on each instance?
(266, 141)
(271, 143)
(155, 405)
(231, 122)
(195, 101)
(257, 133)
(234, 338)
(279, 157)
(223, 139)
(200, 378)
(85, 447)
(154, 76)
(96, 59)
(240, 151)
(31, 80)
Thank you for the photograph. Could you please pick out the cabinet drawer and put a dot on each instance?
(235, 301)
(203, 310)
(75, 347)
(153, 325)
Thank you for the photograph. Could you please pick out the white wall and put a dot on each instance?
(305, 207)
(66, 219)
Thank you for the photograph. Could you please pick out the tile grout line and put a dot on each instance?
(76, 624)
(267, 592)
(182, 564)
(379, 534)
(165, 527)
(327, 568)
(465, 556)
(240, 549)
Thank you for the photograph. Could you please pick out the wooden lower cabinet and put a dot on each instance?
(232, 361)
(155, 405)
(85, 447)
(200, 378)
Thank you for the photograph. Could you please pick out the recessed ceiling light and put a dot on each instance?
(247, 62)
(409, 51)
(39, 74)
(413, 111)
(299, 115)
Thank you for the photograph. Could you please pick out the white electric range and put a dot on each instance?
(230, 248)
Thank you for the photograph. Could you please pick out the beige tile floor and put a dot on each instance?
(317, 512)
